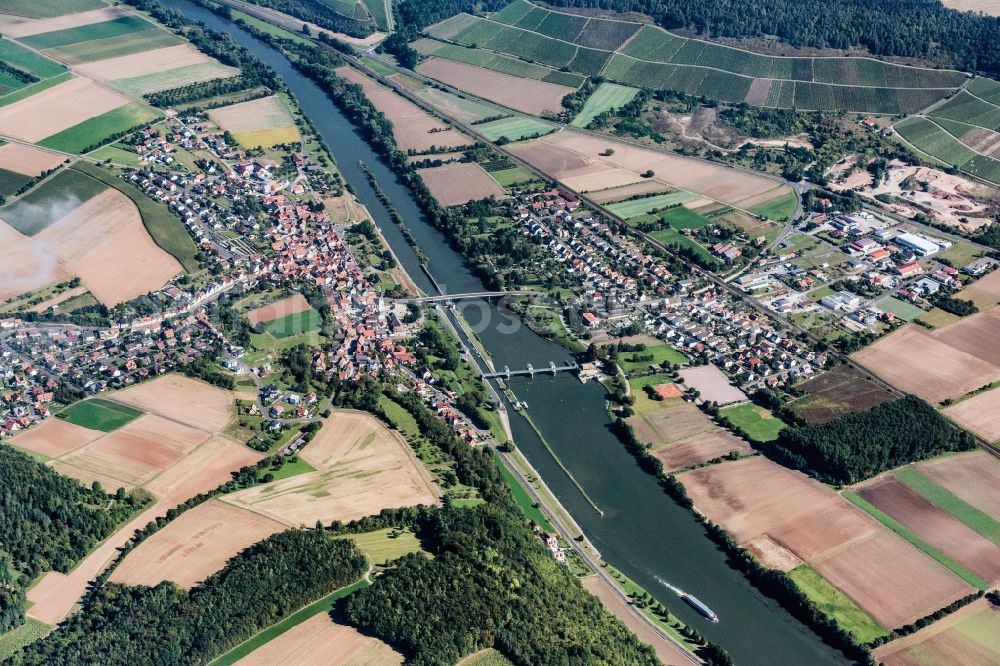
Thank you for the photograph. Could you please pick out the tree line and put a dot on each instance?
(168, 625)
(48, 522)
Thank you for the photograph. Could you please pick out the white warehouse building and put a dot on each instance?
(919, 245)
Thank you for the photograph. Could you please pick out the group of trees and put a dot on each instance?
(323, 15)
(168, 625)
(47, 523)
(860, 445)
(491, 583)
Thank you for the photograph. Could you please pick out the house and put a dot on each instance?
(906, 270)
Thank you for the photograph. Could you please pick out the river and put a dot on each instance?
(642, 532)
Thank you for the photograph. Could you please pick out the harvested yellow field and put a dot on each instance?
(319, 641)
(38, 26)
(194, 546)
(55, 437)
(24, 265)
(28, 160)
(361, 466)
(261, 122)
(183, 399)
(105, 243)
(207, 467)
(146, 62)
(57, 108)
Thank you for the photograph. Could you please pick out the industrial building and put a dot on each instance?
(917, 244)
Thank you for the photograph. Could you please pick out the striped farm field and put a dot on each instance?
(513, 129)
(636, 207)
(497, 62)
(99, 41)
(647, 56)
(607, 97)
(92, 133)
(22, 58)
(48, 8)
(929, 138)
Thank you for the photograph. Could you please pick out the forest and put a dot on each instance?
(860, 445)
(47, 523)
(168, 625)
(320, 13)
(491, 583)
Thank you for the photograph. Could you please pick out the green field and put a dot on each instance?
(920, 544)
(294, 324)
(779, 209)
(756, 423)
(174, 78)
(903, 310)
(48, 8)
(166, 229)
(670, 236)
(85, 33)
(656, 59)
(34, 89)
(324, 605)
(607, 97)
(522, 498)
(50, 201)
(117, 155)
(636, 207)
(383, 546)
(106, 127)
(113, 47)
(836, 605)
(11, 182)
(20, 57)
(513, 175)
(684, 218)
(943, 498)
(98, 414)
(488, 657)
(15, 639)
(966, 108)
(513, 129)
(629, 361)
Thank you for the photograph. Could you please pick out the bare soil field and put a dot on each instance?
(988, 7)
(266, 113)
(755, 497)
(757, 95)
(934, 526)
(361, 468)
(105, 243)
(712, 384)
(38, 26)
(838, 392)
(950, 197)
(619, 193)
(891, 579)
(286, 306)
(667, 652)
(206, 467)
(55, 437)
(700, 448)
(183, 399)
(319, 641)
(57, 108)
(28, 160)
(413, 128)
(526, 95)
(459, 183)
(54, 595)
(917, 362)
(24, 265)
(980, 414)
(977, 335)
(973, 476)
(772, 554)
(984, 292)
(602, 180)
(567, 154)
(131, 455)
(671, 421)
(146, 62)
(967, 636)
(194, 546)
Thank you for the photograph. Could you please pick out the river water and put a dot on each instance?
(642, 531)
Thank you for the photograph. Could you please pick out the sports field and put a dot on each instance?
(294, 324)
(514, 128)
(755, 422)
(98, 414)
(286, 306)
(607, 97)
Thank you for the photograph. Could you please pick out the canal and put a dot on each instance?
(642, 531)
